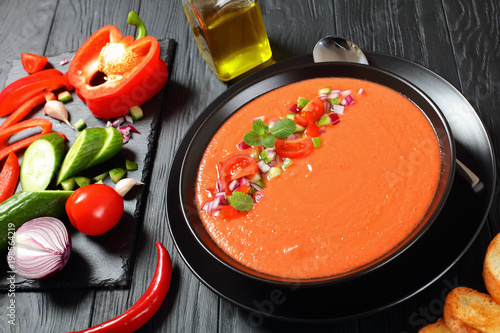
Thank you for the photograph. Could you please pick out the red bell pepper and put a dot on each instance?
(4, 152)
(133, 72)
(21, 90)
(9, 177)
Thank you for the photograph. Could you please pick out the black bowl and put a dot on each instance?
(248, 89)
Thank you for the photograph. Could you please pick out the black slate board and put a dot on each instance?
(101, 261)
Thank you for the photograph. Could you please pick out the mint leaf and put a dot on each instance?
(283, 128)
(268, 140)
(241, 201)
(259, 127)
(252, 139)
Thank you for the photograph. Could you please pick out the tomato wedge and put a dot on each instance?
(294, 148)
(313, 110)
(236, 167)
(312, 130)
(33, 63)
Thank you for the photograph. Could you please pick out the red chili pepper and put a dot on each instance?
(149, 303)
(21, 90)
(9, 177)
(133, 69)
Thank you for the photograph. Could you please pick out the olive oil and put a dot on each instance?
(230, 35)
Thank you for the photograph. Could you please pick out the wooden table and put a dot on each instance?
(457, 39)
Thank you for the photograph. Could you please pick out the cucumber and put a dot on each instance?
(80, 125)
(68, 184)
(64, 97)
(82, 181)
(130, 165)
(100, 177)
(41, 161)
(24, 206)
(112, 145)
(117, 174)
(136, 113)
(274, 172)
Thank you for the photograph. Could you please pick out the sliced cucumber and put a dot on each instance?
(85, 148)
(101, 176)
(41, 162)
(82, 181)
(64, 97)
(274, 172)
(24, 206)
(80, 125)
(112, 145)
(130, 165)
(117, 174)
(136, 113)
(68, 184)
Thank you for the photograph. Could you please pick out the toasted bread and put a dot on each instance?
(467, 310)
(438, 327)
(491, 269)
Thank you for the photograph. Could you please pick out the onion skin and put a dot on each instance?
(41, 248)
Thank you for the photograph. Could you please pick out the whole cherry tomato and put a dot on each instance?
(94, 209)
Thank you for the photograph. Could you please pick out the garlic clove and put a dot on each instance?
(124, 185)
(57, 110)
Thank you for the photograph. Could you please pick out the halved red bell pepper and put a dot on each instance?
(132, 68)
(21, 90)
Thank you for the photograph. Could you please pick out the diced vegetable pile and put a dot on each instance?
(269, 149)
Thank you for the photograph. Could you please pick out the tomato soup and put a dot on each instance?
(343, 205)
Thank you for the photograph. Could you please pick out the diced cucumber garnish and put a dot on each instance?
(255, 178)
(274, 172)
(286, 163)
(130, 165)
(68, 184)
(136, 113)
(82, 181)
(325, 91)
(302, 102)
(116, 174)
(264, 156)
(65, 97)
(299, 128)
(290, 116)
(335, 101)
(80, 125)
(325, 120)
(316, 142)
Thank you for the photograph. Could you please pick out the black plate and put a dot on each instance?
(459, 222)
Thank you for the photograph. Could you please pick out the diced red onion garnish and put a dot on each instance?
(242, 145)
(258, 196)
(292, 137)
(294, 109)
(109, 124)
(271, 123)
(327, 105)
(213, 205)
(129, 119)
(263, 167)
(271, 153)
(126, 130)
(116, 123)
(360, 91)
(63, 61)
(244, 181)
(234, 184)
(263, 118)
(334, 117)
(322, 129)
(323, 96)
(257, 187)
(343, 102)
(345, 93)
(222, 197)
(131, 128)
(349, 100)
(41, 248)
(218, 186)
(334, 94)
(339, 109)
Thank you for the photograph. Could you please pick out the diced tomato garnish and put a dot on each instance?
(312, 130)
(243, 188)
(294, 148)
(236, 167)
(313, 110)
(228, 212)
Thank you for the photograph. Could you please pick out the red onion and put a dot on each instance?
(41, 248)
(257, 187)
(294, 108)
(234, 184)
(263, 118)
(339, 109)
(334, 94)
(242, 146)
(263, 167)
(349, 100)
(360, 91)
(345, 93)
(258, 196)
(334, 118)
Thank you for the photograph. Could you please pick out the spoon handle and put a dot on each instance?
(471, 178)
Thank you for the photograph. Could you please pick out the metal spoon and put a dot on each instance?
(334, 48)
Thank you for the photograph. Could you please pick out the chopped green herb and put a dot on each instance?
(283, 128)
(261, 135)
(260, 127)
(241, 201)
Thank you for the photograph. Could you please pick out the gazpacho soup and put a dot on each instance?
(318, 178)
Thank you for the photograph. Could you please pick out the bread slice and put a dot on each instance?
(467, 310)
(438, 327)
(491, 269)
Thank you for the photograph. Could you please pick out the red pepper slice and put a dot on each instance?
(21, 90)
(9, 177)
(33, 63)
(149, 303)
(45, 124)
(134, 72)
(228, 212)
